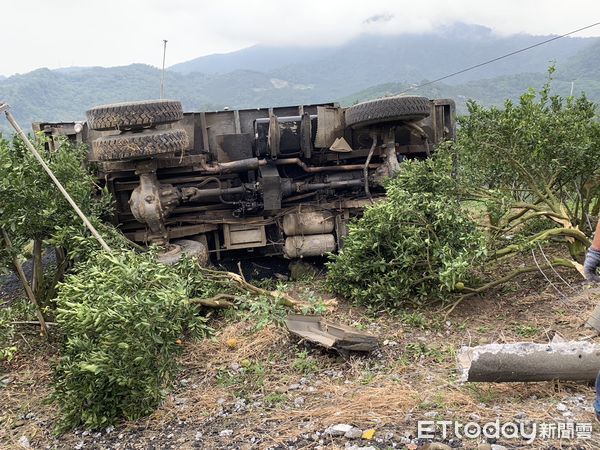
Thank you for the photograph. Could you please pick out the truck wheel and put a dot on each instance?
(134, 115)
(181, 247)
(143, 144)
(389, 109)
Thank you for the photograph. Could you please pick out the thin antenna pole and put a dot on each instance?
(572, 86)
(162, 76)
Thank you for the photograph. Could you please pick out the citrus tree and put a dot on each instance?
(532, 166)
(415, 247)
(32, 210)
(533, 162)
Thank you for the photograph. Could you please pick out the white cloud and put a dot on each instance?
(59, 33)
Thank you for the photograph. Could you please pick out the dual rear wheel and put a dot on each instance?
(136, 122)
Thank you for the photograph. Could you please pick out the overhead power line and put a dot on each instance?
(499, 58)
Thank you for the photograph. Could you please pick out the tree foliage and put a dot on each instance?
(412, 248)
(536, 160)
(124, 316)
(31, 207)
(532, 166)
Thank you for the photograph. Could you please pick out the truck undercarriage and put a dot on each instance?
(271, 181)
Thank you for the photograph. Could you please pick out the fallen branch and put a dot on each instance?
(218, 301)
(556, 262)
(281, 297)
(542, 236)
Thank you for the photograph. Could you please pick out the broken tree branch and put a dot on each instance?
(218, 301)
(281, 297)
(560, 262)
(542, 236)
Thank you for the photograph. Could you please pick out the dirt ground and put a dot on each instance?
(248, 388)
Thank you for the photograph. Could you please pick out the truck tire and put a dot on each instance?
(389, 109)
(188, 247)
(143, 144)
(134, 115)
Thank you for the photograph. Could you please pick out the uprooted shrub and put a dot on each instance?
(124, 316)
(412, 248)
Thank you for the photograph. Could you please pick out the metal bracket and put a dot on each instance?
(4, 107)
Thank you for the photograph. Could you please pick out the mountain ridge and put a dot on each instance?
(367, 66)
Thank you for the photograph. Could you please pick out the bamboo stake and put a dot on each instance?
(25, 284)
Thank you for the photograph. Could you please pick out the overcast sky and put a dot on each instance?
(61, 33)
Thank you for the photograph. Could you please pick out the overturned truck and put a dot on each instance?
(270, 181)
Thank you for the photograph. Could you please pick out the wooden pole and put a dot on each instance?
(25, 283)
(5, 108)
(37, 276)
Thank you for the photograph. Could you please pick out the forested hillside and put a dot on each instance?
(366, 67)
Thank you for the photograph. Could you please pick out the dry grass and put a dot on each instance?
(216, 352)
(387, 391)
(25, 394)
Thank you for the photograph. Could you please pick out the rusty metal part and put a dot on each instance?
(151, 202)
(193, 194)
(162, 162)
(238, 236)
(274, 136)
(311, 169)
(306, 145)
(329, 334)
(330, 125)
(310, 245)
(366, 168)
(309, 222)
(310, 187)
(233, 166)
(422, 134)
(391, 166)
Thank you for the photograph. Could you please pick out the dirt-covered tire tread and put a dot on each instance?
(388, 109)
(134, 115)
(130, 145)
(191, 248)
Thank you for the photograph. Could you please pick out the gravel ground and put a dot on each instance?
(308, 396)
(10, 285)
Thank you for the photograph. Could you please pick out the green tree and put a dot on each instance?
(123, 316)
(31, 208)
(414, 247)
(537, 161)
